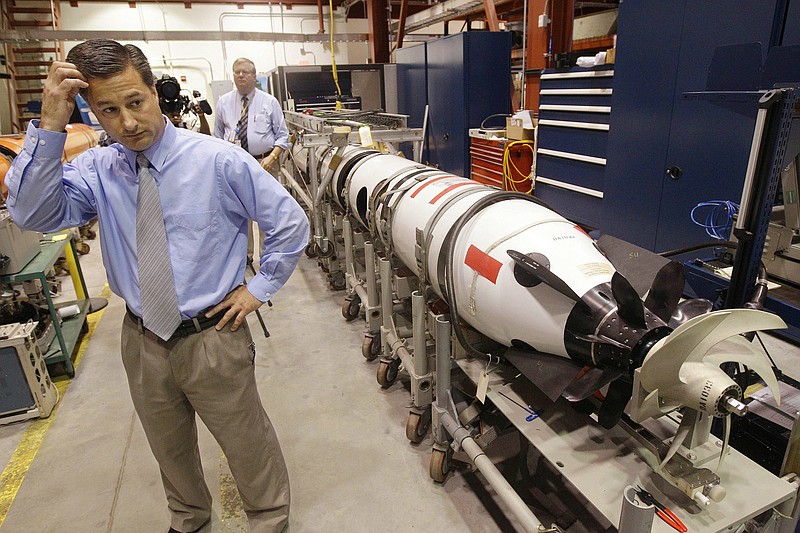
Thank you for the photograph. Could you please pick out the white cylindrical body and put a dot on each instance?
(366, 175)
(488, 295)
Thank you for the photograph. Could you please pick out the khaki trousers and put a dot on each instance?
(210, 373)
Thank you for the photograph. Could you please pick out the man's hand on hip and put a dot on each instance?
(239, 304)
(62, 85)
(268, 162)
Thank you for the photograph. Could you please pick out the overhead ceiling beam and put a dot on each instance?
(377, 19)
(288, 3)
(491, 15)
(12, 36)
(443, 11)
(401, 24)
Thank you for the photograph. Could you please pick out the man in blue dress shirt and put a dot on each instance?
(208, 190)
(253, 119)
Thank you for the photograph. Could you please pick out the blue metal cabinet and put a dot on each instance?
(412, 83)
(412, 88)
(572, 138)
(791, 30)
(664, 49)
(469, 78)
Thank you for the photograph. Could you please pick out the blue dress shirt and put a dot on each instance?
(209, 190)
(266, 127)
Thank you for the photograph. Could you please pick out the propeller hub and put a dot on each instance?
(733, 405)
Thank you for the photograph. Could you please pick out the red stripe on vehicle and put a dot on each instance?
(577, 227)
(450, 188)
(428, 182)
(483, 263)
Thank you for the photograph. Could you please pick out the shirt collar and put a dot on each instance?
(249, 96)
(157, 152)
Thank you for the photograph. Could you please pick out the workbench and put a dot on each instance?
(69, 330)
(599, 463)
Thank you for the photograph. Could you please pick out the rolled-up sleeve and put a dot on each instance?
(281, 131)
(43, 194)
(280, 217)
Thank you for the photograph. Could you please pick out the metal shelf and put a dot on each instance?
(67, 334)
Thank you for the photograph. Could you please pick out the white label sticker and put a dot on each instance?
(483, 385)
(596, 269)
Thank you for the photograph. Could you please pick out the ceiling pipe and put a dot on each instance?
(321, 17)
(401, 24)
(171, 59)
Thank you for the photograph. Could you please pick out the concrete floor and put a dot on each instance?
(87, 468)
(351, 466)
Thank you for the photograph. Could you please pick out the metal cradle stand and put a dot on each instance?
(408, 326)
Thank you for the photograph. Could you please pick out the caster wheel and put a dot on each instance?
(82, 248)
(371, 347)
(327, 253)
(417, 425)
(351, 308)
(439, 466)
(338, 281)
(311, 250)
(387, 373)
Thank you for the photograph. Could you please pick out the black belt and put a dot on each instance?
(186, 328)
(262, 156)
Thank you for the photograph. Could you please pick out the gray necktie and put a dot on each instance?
(242, 124)
(160, 313)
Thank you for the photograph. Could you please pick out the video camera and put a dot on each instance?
(171, 99)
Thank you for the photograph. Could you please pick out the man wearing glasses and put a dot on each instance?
(253, 119)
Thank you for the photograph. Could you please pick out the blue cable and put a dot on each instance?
(719, 218)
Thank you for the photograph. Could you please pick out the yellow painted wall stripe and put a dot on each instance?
(14, 474)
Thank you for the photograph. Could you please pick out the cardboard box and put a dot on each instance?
(516, 132)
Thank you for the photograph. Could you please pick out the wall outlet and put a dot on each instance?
(544, 21)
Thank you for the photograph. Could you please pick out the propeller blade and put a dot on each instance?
(534, 268)
(593, 380)
(689, 309)
(631, 308)
(692, 340)
(725, 440)
(677, 442)
(550, 373)
(737, 349)
(602, 339)
(666, 290)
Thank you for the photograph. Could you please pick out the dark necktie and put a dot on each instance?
(242, 125)
(160, 313)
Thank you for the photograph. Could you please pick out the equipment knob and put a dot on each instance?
(674, 172)
(717, 493)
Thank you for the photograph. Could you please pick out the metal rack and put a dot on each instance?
(318, 142)
(68, 331)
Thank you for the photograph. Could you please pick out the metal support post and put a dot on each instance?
(349, 265)
(421, 379)
(299, 191)
(317, 225)
(763, 175)
(385, 268)
(374, 313)
(463, 439)
(442, 384)
(788, 512)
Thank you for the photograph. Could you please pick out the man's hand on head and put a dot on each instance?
(62, 85)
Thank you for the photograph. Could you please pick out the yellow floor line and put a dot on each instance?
(12, 477)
